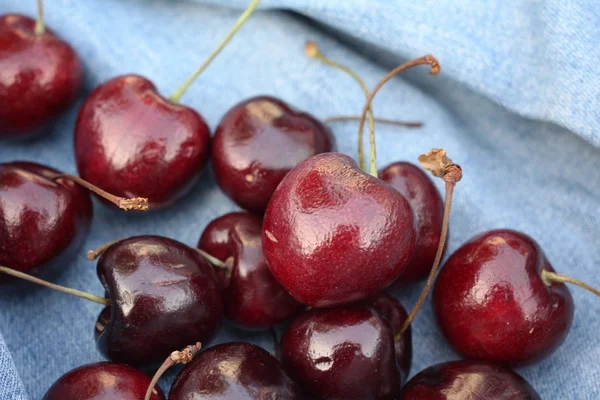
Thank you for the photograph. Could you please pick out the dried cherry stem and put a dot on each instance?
(74, 292)
(311, 49)
(406, 124)
(175, 97)
(177, 357)
(136, 203)
(94, 254)
(275, 340)
(226, 265)
(550, 277)
(435, 69)
(40, 28)
(441, 166)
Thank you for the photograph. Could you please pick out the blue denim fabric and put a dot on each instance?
(517, 105)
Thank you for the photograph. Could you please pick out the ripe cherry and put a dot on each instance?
(468, 380)
(253, 298)
(102, 381)
(41, 76)
(497, 298)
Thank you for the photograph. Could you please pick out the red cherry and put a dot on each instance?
(428, 208)
(102, 381)
(492, 302)
(40, 78)
(333, 234)
(253, 298)
(43, 221)
(258, 142)
(468, 380)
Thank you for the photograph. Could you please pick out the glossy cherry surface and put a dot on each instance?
(258, 142)
(43, 222)
(428, 208)
(333, 234)
(132, 142)
(491, 303)
(240, 371)
(468, 380)
(163, 294)
(342, 353)
(253, 298)
(102, 381)
(40, 76)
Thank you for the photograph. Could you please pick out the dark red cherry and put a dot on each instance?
(163, 296)
(342, 353)
(43, 222)
(253, 298)
(40, 78)
(333, 234)
(492, 304)
(468, 380)
(132, 142)
(102, 381)
(258, 142)
(234, 371)
(428, 208)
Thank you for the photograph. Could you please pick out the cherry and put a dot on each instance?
(468, 380)
(44, 220)
(497, 298)
(342, 353)
(41, 76)
(234, 371)
(102, 381)
(133, 142)
(428, 209)
(253, 298)
(258, 141)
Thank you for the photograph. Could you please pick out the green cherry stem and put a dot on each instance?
(175, 97)
(39, 23)
(388, 121)
(549, 277)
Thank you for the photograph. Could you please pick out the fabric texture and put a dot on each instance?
(517, 105)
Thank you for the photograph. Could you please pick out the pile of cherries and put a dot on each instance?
(319, 242)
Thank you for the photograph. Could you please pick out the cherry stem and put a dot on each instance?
(74, 292)
(175, 97)
(435, 69)
(311, 49)
(275, 342)
(549, 277)
(224, 265)
(406, 124)
(39, 23)
(451, 173)
(136, 203)
(177, 357)
(94, 254)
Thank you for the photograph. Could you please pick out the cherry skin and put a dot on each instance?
(333, 234)
(342, 353)
(492, 304)
(102, 381)
(40, 79)
(43, 222)
(132, 142)
(253, 298)
(234, 371)
(468, 380)
(428, 208)
(258, 142)
(163, 296)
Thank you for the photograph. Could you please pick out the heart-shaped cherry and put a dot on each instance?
(40, 79)
(43, 220)
(234, 371)
(102, 381)
(133, 142)
(342, 353)
(253, 298)
(428, 208)
(497, 298)
(468, 380)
